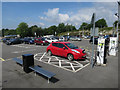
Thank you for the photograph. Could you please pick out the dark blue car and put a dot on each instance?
(5, 39)
(28, 40)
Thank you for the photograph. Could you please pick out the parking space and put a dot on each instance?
(73, 66)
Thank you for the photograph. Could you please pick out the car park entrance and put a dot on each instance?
(60, 62)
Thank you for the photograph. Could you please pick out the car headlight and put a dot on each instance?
(75, 51)
(83, 51)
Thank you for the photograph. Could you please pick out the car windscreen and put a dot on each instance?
(53, 39)
(43, 39)
(12, 39)
(48, 39)
(72, 46)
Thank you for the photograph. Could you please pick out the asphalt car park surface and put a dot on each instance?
(67, 75)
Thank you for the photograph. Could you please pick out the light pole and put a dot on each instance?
(118, 15)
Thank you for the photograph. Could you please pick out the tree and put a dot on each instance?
(22, 29)
(52, 29)
(101, 23)
(61, 28)
(83, 26)
(33, 30)
(115, 23)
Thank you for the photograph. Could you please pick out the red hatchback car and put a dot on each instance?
(66, 49)
(41, 41)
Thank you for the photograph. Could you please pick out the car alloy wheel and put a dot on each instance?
(49, 53)
(42, 44)
(70, 57)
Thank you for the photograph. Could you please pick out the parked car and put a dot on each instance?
(51, 40)
(95, 40)
(13, 41)
(75, 38)
(28, 40)
(22, 40)
(61, 38)
(66, 49)
(41, 41)
(5, 39)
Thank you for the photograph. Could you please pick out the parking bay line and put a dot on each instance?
(24, 51)
(82, 67)
(42, 56)
(72, 67)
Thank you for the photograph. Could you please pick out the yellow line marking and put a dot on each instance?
(2, 59)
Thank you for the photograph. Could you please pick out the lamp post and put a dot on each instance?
(118, 16)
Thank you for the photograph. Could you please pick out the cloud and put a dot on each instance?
(102, 10)
(54, 16)
(41, 24)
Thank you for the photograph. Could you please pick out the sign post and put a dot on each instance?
(93, 22)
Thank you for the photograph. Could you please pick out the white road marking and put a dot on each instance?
(82, 67)
(72, 67)
(42, 56)
(60, 63)
(21, 46)
(49, 60)
(24, 51)
(78, 63)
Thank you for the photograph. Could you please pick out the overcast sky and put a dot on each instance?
(45, 14)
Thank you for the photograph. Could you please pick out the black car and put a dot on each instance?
(95, 40)
(5, 40)
(13, 41)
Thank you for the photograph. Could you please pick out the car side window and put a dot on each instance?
(55, 44)
(61, 46)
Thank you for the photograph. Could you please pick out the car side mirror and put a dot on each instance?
(64, 48)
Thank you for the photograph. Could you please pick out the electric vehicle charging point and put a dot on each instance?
(101, 60)
(113, 46)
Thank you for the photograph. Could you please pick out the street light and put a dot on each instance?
(118, 2)
(117, 14)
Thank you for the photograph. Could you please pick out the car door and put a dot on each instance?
(62, 51)
(55, 49)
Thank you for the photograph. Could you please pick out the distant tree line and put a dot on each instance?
(23, 30)
(101, 23)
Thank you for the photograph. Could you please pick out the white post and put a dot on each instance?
(48, 80)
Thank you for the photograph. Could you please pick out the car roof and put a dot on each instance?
(61, 42)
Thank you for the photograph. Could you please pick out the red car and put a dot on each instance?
(41, 41)
(66, 49)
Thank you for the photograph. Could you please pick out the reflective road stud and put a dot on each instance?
(100, 51)
(113, 46)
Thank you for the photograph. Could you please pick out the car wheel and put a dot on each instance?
(49, 53)
(70, 57)
(42, 44)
